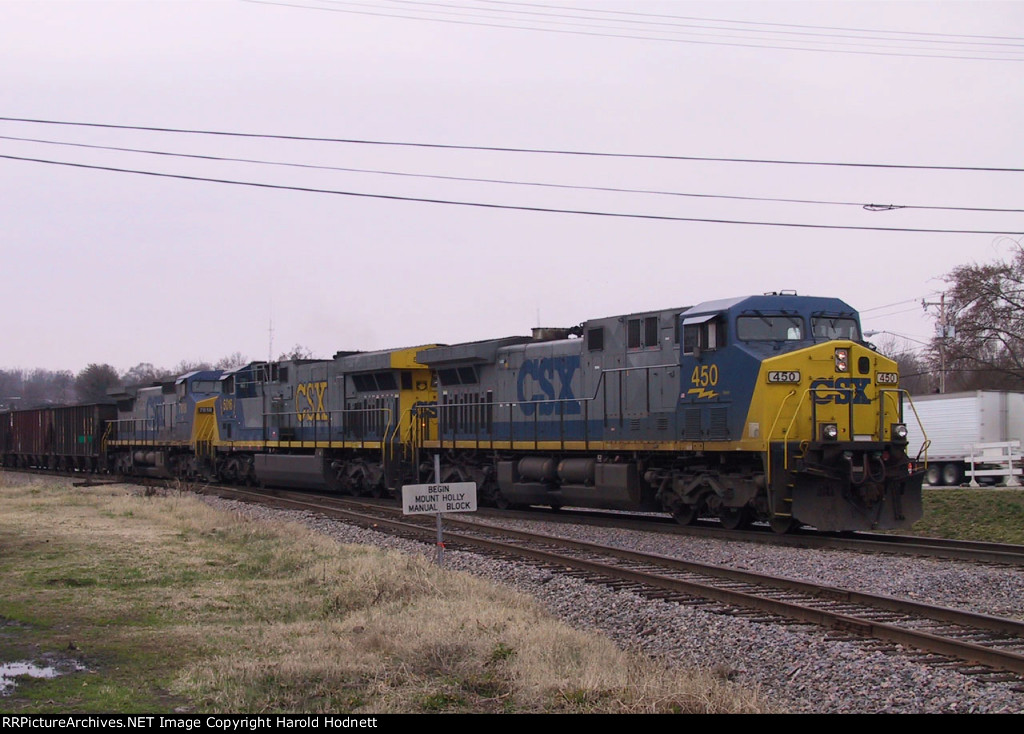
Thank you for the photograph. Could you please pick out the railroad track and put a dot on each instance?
(976, 644)
(965, 550)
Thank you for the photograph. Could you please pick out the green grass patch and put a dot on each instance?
(993, 515)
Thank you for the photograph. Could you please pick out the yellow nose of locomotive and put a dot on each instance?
(836, 391)
(836, 430)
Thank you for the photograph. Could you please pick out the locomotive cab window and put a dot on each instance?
(703, 333)
(835, 327)
(769, 327)
(205, 386)
(375, 382)
(453, 376)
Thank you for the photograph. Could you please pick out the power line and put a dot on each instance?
(894, 313)
(890, 305)
(542, 184)
(751, 22)
(376, 10)
(806, 33)
(501, 149)
(510, 207)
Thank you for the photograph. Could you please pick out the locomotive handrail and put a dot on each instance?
(106, 436)
(927, 441)
(383, 410)
(771, 431)
(583, 400)
(796, 413)
(148, 429)
(883, 393)
(639, 367)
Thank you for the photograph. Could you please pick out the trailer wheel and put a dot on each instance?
(933, 475)
(952, 474)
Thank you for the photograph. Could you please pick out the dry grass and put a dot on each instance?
(176, 604)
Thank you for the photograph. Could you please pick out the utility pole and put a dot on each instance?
(943, 333)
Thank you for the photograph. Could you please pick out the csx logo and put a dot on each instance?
(537, 381)
(309, 401)
(846, 388)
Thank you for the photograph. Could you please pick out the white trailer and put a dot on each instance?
(955, 423)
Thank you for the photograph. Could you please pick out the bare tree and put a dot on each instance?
(185, 366)
(11, 388)
(985, 308)
(91, 383)
(916, 374)
(231, 361)
(21, 389)
(144, 373)
(297, 352)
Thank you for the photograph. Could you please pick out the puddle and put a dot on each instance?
(10, 671)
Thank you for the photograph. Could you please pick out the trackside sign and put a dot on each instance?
(430, 499)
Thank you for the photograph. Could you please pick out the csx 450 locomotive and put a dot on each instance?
(763, 408)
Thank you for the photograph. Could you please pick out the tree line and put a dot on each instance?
(20, 388)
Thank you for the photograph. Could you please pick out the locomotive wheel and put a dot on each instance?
(685, 514)
(782, 525)
(734, 518)
(354, 482)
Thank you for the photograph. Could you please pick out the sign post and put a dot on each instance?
(440, 532)
(438, 498)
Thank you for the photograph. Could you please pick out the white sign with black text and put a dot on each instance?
(429, 499)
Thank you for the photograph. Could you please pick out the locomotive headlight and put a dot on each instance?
(899, 430)
(829, 431)
(842, 360)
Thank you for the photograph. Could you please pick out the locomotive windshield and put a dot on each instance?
(834, 327)
(765, 327)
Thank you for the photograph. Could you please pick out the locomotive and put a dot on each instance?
(766, 408)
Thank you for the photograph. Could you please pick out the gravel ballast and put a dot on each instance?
(796, 667)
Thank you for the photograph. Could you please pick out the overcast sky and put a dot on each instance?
(120, 267)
